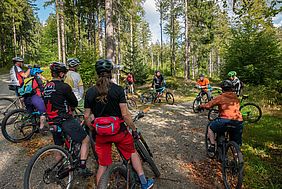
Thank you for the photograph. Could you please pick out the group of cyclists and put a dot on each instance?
(106, 102)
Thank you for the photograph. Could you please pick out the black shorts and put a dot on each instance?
(72, 128)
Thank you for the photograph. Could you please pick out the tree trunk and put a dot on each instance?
(187, 44)
(161, 26)
(210, 64)
(109, 30)
(63, 31)
(217, 62)
(100, 36)
(15, 36)
(58, 30)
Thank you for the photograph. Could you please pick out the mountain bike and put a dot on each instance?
(131, 103)
(55, 166)
(8, 104)
(229, 154)
(201, 98)
(123, 175)
(155, 96)
(251, 112)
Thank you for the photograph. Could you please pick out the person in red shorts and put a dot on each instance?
(106, 101)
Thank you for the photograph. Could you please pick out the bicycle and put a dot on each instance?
(63, 163)
(201, 98)
(8, 104)
(123, 175)
(131, 103)
(229, 154)
(251, 112)
(154, 96)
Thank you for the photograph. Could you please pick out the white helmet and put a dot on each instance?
(73, 62)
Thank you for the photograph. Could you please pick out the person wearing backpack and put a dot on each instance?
(59, 101)
(17, 74)
(33, 95)
(107, 102)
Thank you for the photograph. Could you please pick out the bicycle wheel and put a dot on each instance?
(149, 165)
(213, 114)
(204, 99)
(169, 98)
(197, 102)
(232, 166)
(6, 105)
(208, 144)
(147, 97)
(131, 104)
(50, 167)
(251, 112)
(114, 177)
(22, 128)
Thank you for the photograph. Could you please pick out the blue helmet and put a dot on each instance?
(34, 71)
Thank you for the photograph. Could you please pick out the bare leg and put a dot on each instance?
(84, 150)
(100, 172)
(136, 162)
(211, 135)
(42, 121)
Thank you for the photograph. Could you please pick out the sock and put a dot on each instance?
(82, 164)
(143, 179)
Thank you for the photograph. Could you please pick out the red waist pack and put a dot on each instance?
(107, 125)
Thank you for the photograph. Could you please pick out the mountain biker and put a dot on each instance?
(158, 81)
(59, 101)
(106, 100)
(229, 114)
(35, 100)
(237, 85)
(204, 84)
(130, 82)
(17, 74)
(74, 80)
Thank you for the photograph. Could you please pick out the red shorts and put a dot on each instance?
(123, 141)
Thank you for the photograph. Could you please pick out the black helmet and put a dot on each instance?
(17, 59)
(202, 75)
(226, 85)
(103, 65)
(57, 67)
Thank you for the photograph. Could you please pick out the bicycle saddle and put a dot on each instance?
(245, 96)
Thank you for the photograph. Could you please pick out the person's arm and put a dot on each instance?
(87, 116)
(40, 84)
(127, 116)
(25, 74)
(80, 87)
(71, 99)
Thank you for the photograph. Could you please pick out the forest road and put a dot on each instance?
(174, 134)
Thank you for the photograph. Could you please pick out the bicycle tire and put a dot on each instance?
(131, 104)
(147, 97)
(213, 114)
(236, 164)
(35, 158)
(145, 155)
(207, 144)
(6, 107)
(257, 118)
(5, 123)
(167, 98)
(195, 105)
(118, 169)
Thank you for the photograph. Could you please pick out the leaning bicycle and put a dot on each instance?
(123, 175)
(251, 112)
(55, 166)
(201, 98)
(156, 96)
(229, 154)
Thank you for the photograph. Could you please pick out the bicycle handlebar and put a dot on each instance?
(141, 114)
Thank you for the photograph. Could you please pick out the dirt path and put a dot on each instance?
(174, 134)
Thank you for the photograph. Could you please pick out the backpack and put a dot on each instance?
(107, 125)
(26, 89)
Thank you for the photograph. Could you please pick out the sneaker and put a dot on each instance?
(85, 172)
(211, 149)
(148, 185)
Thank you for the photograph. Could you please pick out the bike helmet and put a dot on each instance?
(226, 85)
(232, 73)
(73, 62)
(34, 71)
(57, 67)
(202, 75)
(17, 59)
(103, 65)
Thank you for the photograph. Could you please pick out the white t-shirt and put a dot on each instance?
(13, 75)
(75, 81)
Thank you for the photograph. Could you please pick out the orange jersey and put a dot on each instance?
(205, 82)
(228, 106)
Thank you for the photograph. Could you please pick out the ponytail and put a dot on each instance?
(102, 85)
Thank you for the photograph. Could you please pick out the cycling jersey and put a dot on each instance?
(204, 82)
(158, 81)
(75, 81)
(228, 106)
(16, 76)
(59, 99)
(236, 85)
